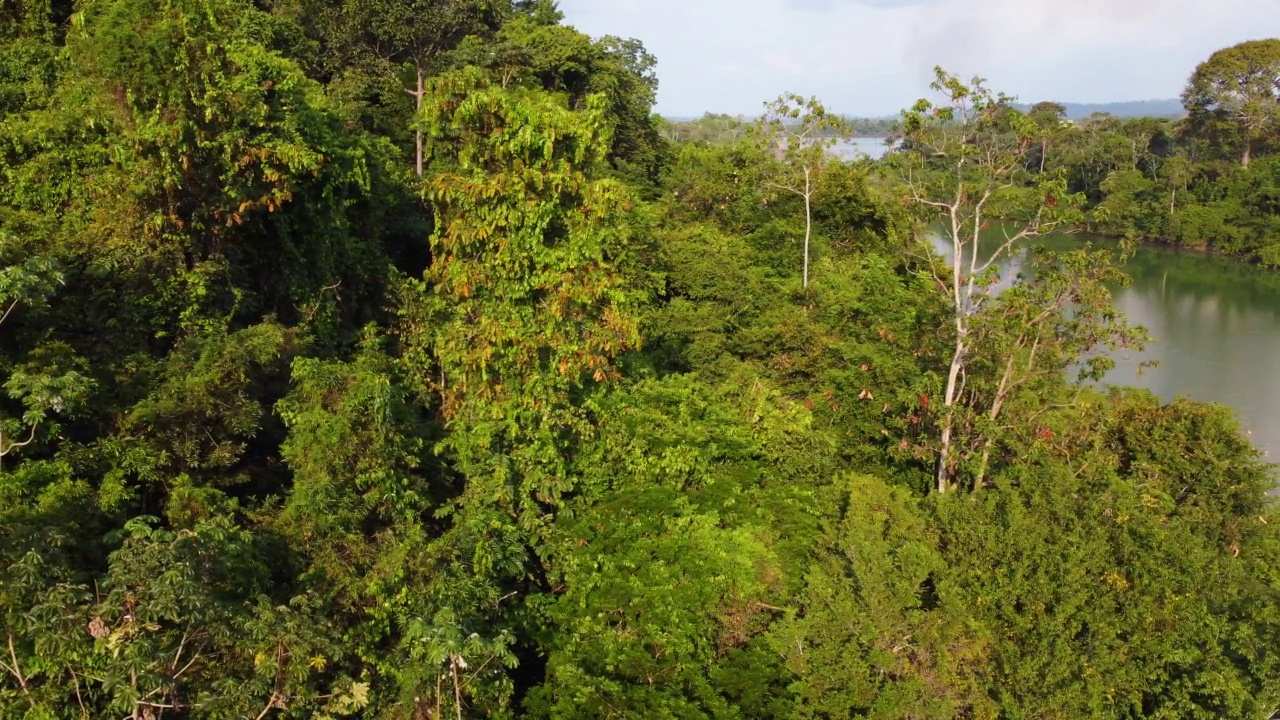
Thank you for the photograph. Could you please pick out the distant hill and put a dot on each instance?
(1135, 108)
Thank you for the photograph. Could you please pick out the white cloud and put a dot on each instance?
(876, 56)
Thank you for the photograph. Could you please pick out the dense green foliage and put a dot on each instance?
(383, 359)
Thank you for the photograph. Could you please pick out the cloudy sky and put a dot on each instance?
(874, 57)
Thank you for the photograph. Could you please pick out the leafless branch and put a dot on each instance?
(271, 703)
(8, 310)
(16, 670)
(16, 445)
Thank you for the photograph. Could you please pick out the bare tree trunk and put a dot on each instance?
(457, 690)
(980, 478)
(417, 108)
(951, 396)
(996, 405)
(1248, 153)
(808, 226)
(948, 423)
(16, 671)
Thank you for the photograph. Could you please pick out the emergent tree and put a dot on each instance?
(965, 167)
(801, 133)
(1236, 93)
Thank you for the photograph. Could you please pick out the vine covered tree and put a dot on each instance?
(380, 49)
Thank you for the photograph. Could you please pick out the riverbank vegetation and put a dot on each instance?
(1206, 181)
(383, 359)
(721, 129)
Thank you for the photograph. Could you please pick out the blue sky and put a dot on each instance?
(874, 57)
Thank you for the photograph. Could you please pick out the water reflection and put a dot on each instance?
(1216, 326)
(854, 148)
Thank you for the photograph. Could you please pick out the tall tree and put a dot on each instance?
(524, 307)
(801, 134)
(1177, 172)
(1237, 92)
(525, 272)
(964, 164)
(965, 169)
(1051, 118)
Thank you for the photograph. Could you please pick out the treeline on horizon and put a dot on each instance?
(719, 128)
(1205, 181)
(385, 359)
(722, 127)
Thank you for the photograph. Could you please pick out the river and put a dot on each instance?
(1215, 323)
(857, 147)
